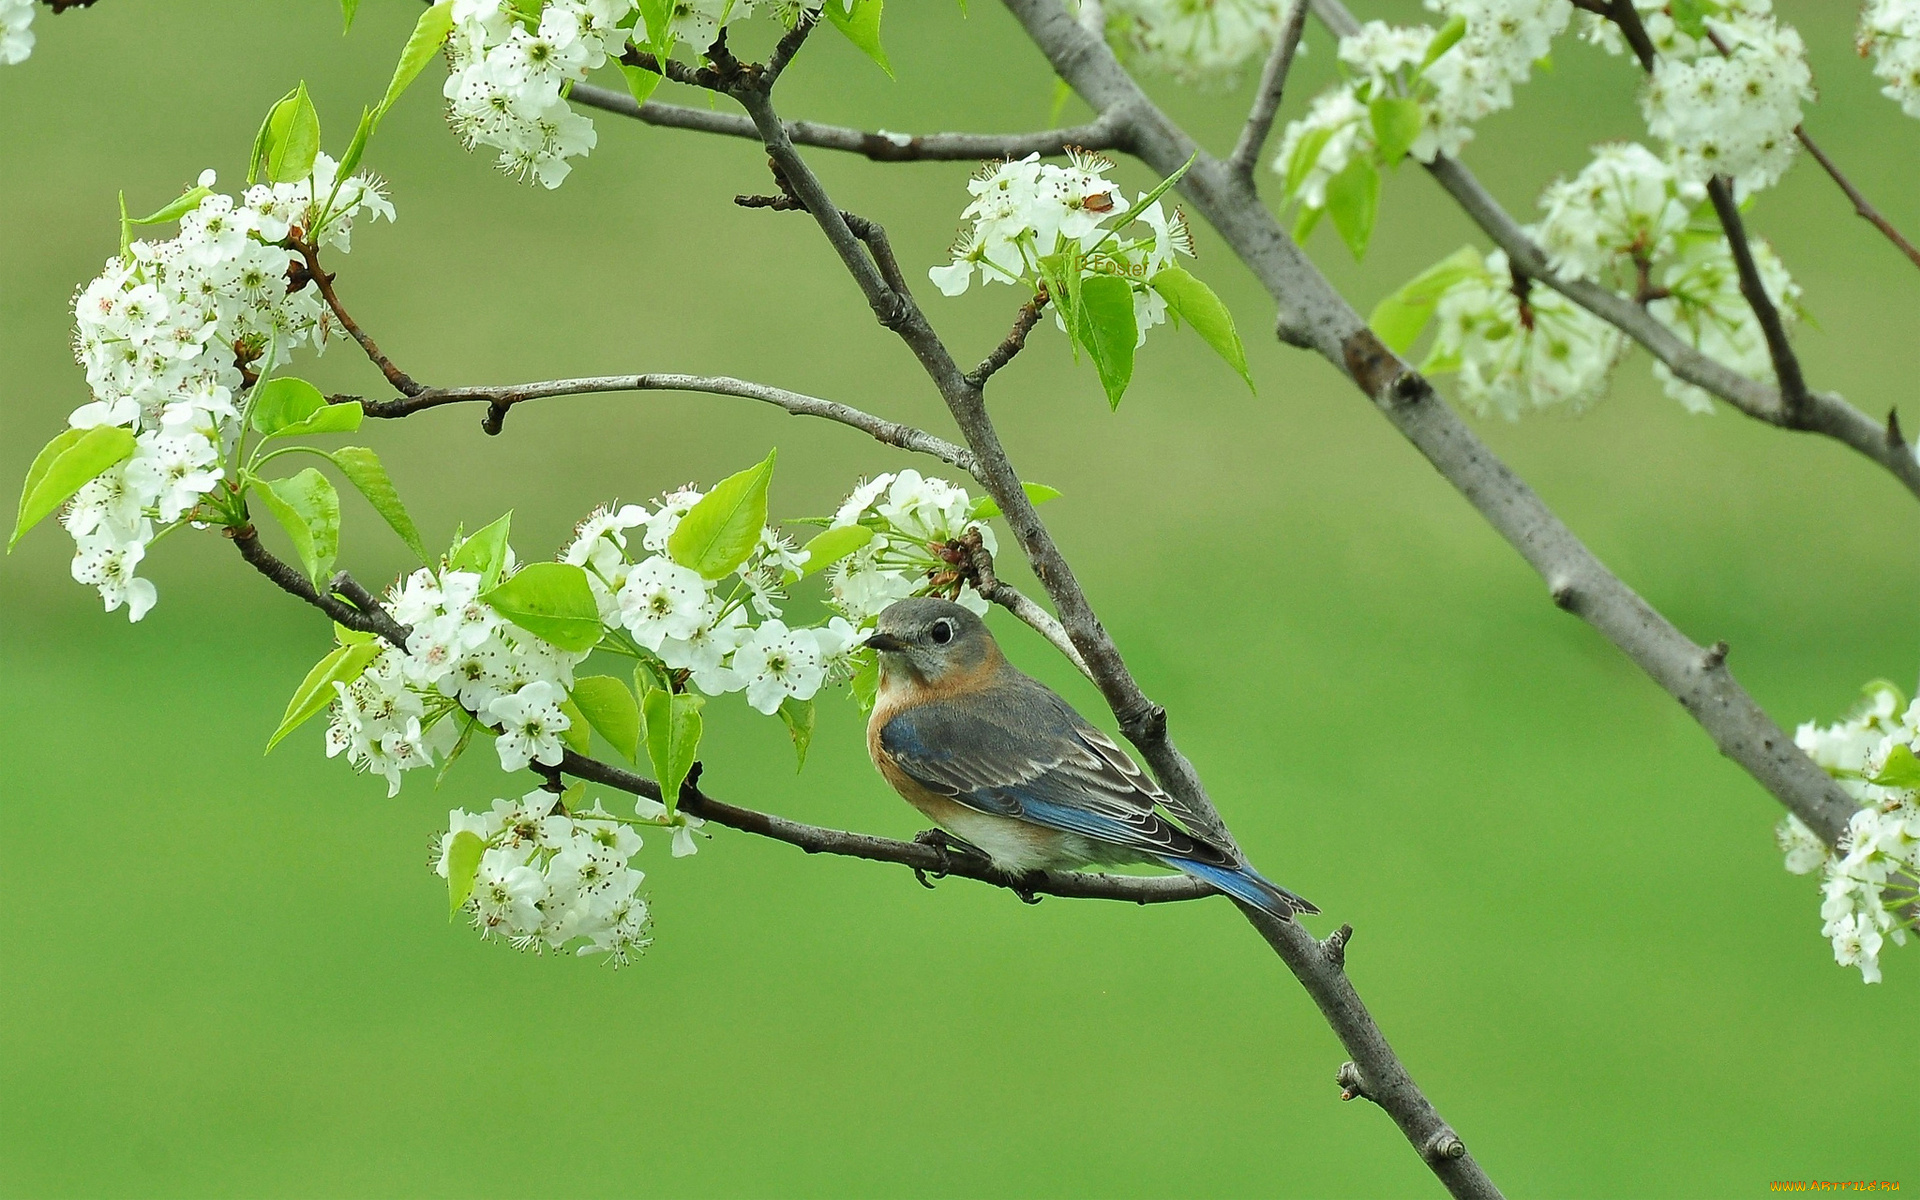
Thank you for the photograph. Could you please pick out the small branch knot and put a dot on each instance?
(1563, 593)
(1714, 656)
(1896, 440)
(1335, 946)
(1352, 1085)
(1443, 1145)
(495, 419)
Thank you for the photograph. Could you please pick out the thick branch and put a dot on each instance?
(1266, 101)
(373, 619)
(499, 399)
(1313, 314)
(1107, 133)
(925, 857)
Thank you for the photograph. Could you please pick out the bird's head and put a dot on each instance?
(932, 640)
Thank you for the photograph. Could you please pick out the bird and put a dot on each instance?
(1000, 761)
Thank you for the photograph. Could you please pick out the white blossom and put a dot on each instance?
(1890, 32)
(16, 31)
(1205, 42)
(530, 726)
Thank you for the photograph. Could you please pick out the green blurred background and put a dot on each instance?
(227, 975)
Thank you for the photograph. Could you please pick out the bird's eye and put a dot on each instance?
(942, 632)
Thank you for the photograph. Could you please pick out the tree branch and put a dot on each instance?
(1860, 205)
(501, 398)
(1273, 82)
(310, 255)
(1106, 133)
(1014, 343)
(1786, 366)
(373, 619)
(975, 564)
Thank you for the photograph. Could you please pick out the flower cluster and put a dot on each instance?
(509, 72)
(170, 333)
(1890, 32)
(1518, 347)
(549, 877)
(1868, 878)
(464, 667)
(1204, 42)
(1726, 88)
(1027, 211)
(16, 31)
(1499, 40)
(908, 514)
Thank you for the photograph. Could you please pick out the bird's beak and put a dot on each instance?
(884, 642)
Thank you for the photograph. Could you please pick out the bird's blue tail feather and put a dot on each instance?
(1245, 883)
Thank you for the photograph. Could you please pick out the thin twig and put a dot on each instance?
(290, 580)
(1786, 365)
(1105, 133)
(499, 399)
(401, 381)
(974, 562)
(1266, 101)
(1013, 343)
(789, 45)
(1860, 204)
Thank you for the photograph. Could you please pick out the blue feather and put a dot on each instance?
(1247, 884)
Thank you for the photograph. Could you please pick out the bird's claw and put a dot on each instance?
(943, 844)
(1024, 886)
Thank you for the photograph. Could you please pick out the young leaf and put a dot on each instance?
(262, 141)
(797, 716)
(640, 82)
(1396, 121)
(351, 637)
(1164, 186)
(552, 601)
(328, 418)
(362, 468)
(832, 546)
(485, 552)
(1306, 152)
(865, 684)
(673, 740)
(183, 204)
(862, 27)
(308, 508)
(355, 148)
(1304, 221)
(1194, 302)
(1902, 769)
(316, 691)
(347, 10)
(1106, 329)
(1399, 318)
(610, 708)
(578, 735)
(719, 532)
(463, 867)
(429, 34)
(1443, 41)
(985, 509)
(1353, 200)
(63, 466)
(294, 129)
(283, 403)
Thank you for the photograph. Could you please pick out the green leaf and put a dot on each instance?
(1304, 221)
(640, 82)
(351, 637)
(1870, 692)
(355, 148)
(673, 740)
(281, 404)
(429, 34)
(610, 708)
(832, 546)
(551, 601)
(719, 532)
(293, 132)
(362, 468)
(1162, 188)
(577, 736)
(63, 466)
(484, 553)
(797, 716)
(316, 691)
(1690, 16)
(1401, 317)
(656, 16)
(1195, 303)
(1353, 201)
(1105, 327)
(649, 675)
(347, 10)
(262, 141)
(1444, 40)
(308, 508)
(1306, 152)
(865, 683)
(329, 418)
(183, 204)
(862, 27)
(1397, 121)
(1902, 769)
(463, 868)
(985, 509)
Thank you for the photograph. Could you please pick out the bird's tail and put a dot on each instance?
(1244, 883)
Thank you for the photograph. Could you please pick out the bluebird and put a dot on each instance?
(1000, 761)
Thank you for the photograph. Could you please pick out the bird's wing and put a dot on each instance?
(1018, 750)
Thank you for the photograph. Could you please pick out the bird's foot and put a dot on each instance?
(944, 844)
(1024, 887)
